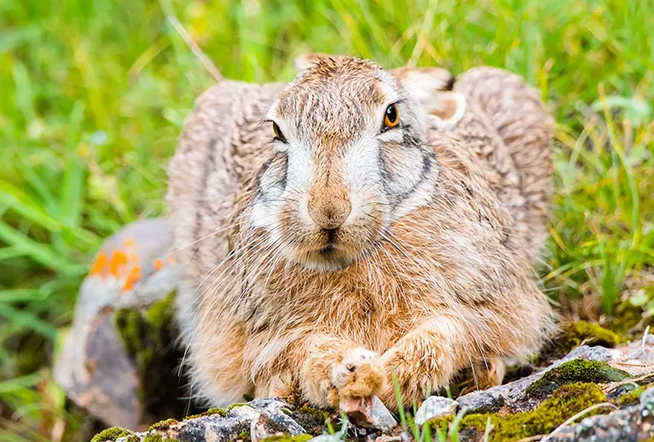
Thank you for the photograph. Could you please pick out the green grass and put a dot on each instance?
(94, 93)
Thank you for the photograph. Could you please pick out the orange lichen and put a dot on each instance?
(122, 264)
(158, 264)
(117, 263)
(99, 266)
(133, 277)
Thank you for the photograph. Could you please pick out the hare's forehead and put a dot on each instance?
(354, 99)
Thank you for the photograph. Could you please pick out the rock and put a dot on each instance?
(258, 419)
(632, 359)
(272, 420)
(647, 399)
(98, 367)
(369, 413)
(634, 423)
(435, 406)
(217, 428)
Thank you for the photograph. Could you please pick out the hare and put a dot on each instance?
(360, 229)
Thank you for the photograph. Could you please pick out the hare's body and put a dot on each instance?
(441, 277)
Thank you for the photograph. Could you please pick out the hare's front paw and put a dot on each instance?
(359, 375)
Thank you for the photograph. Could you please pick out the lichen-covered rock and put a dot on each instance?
(259, 420)
(590, 381)
(630, 360)
(120, 352)
(577, 370)
(632, 424)
(565, 402)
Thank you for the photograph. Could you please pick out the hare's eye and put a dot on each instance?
(279, 136)
(391, 117)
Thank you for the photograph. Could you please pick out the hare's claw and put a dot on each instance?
(359, 375)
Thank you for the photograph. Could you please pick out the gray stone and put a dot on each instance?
(647, 398)
(435, 406)
(131, 270)
(369, 413)
(629, 424)
(272, 420)
(633, 358)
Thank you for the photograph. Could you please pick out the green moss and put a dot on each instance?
(210, 412)
(219, 411)
(163, 425)
(319, 414)
(155, 437)
(564, 403)
(632, 397)
(578, 370)
(111, 434)
(629, 320)
(148, 337)
(582, 331)
(244, 436)
(440, 424)
(313, 420)
(161, 314)
(574, 334)
(288, 438)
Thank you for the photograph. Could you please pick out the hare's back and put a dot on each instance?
(510, 131)
(222, 142)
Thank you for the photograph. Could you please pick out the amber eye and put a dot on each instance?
(279, 136)
(391, 116)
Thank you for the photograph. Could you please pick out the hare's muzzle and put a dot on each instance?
(328, 204)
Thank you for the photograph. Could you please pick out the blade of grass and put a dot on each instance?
(27, 320)
(39, 252)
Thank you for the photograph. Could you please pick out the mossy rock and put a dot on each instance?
(113, 433)
(580, 332)
(578, 370)
(155, 437)
(632, 397)
(311, 419)
(564, 403)
(163, 425)
(148, 335)
(210, 412)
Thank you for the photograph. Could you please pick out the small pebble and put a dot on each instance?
(435, 406)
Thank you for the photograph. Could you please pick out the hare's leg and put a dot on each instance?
(217, 367)
(327, 370)
(429, 356)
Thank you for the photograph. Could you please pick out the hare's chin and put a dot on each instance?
(326, 260)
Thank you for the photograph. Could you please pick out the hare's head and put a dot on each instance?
(351, 156)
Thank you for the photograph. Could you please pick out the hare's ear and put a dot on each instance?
(310, 59)
(431, 88)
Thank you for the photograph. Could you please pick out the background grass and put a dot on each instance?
(94, 93)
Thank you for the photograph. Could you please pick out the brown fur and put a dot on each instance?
(419, 296)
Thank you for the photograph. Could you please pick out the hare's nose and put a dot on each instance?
(329, 212)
